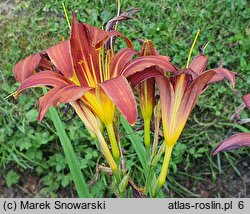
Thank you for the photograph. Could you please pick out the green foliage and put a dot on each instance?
(31, 26)
(12, 178)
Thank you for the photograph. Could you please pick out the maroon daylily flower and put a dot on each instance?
(179, 94)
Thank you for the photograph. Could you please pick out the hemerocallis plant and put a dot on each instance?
(86, 72)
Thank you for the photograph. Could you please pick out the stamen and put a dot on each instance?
(100, 64)
(88, 73)
(86, 76)
(107, 61)
(93, 68)
(192, 48)
(66, 15)
(103, 66)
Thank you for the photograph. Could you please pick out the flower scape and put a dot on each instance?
(104, 86)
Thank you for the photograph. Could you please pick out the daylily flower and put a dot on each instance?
(81, 71)
(146, 82)
(237, 140)
(179, 94)
(147, 91)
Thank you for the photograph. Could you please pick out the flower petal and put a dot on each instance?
(58, 95)
(223, 73)
(246, 99)
(59, 55)
(23, 69)
(88, 118)
(199, 64)
(97, 35)
(167, 102)
(190, 98)
(120, 60)
(192, 94)
(43, 78)
(148, 48)
(114, 33)
(234, 142)
(122, 17)
(84, 55)
(141, 63)
(121, 94)
(146, 74)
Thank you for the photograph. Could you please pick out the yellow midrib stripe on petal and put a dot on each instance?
(75, 79)
(178, 95)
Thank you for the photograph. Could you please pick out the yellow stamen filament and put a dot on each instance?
(118, 7)
(93, 69)
(192, 48)
(107, 61)
(85, 75)
(100, 64)
(103, 66)
(66, 15)
(175, 130)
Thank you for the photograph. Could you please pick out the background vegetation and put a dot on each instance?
(31, 160)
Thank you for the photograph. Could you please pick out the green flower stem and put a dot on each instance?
(147, 133)
(113, 142)
(164, 169)
(107, 153)
(157, 117)
(78, 179)
(111, 158)
(154, 160)
(141, 153)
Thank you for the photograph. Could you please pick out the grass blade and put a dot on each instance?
(77, 176)
(140, 151)
(80, 184)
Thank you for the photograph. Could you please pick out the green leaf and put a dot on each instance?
(24, 143)
(12, 178)
(31, 115)
(78, 179)
(65, 181)
(134, 139)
